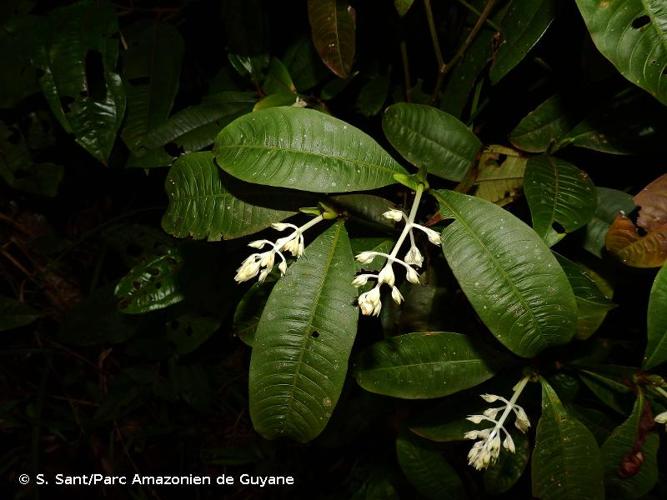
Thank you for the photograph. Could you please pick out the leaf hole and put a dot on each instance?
(640, 22)
(95, 83)
(558, 228)
(315, 335)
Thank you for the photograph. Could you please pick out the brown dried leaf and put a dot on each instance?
(643, 244)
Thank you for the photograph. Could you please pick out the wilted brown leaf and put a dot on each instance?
(643, 244)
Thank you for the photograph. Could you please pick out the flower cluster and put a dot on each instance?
(661, 418)
(262, 262)
(369, 302)
(486, 451)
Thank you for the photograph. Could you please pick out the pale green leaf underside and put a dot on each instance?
(430, 138)
(303, 149)
(632, 34)
(508, 274)
(656, 349)
(202, 206)
(423, 365)
(558, 192)
(303, 341)
(566, 460)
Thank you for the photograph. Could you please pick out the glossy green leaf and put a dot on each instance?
(303, 341)
(625, 476)
(196, 127)
(558, 192)
(609, 391)
(151, 72)
(303, 149)
(205, 203)
(632, 34)
(592, 304)
(333, 28)
(403, 6)
(508, 274)
(566, 462)
(14, 314)
(427, 470)
(524, 23)
(78, 58)
(499, 183)
(656, 347)
(543, 127)
(503, 474)
(278, 79)
(609, 203)
(430, 138)
(424, 365)
(274, 100)
(151, 285)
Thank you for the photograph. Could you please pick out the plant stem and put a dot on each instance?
(518, 389)
(446, 68)
(434, 34)
(474, 10)
(406, 70)
(408, 224)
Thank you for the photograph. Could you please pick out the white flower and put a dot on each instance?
(361, 280)
(396, 295)
(433, 236)
(393, 214)
(414, 257)
(369, 302)
(248, 269)
(259, 244)
(522, 423)
(366, 257)
(265, 272)
(268, 259)
(661, 418)
(282, 267)
(475, 419)
(387, 275)
(492, 412)
(412, 276)
(293, 246)
(490, 398)
(281, 226)
(508, 444)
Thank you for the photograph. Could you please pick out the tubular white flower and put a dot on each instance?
(282, 267)
(394, 214)
(412, 276)
(366, 257)
(249, 268)
(362, 279)
(396, 295)
(369, 302)
(661, 418)
(281, 226)
(433, 236)
(387, 276)
(414, 257)
(486, 451)
(259, 244)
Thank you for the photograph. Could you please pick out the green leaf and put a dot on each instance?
(151, 285)
(151, 71)
(503, 474)
(656, 347)
(78, 57)
(205, 203)
(626, 476)
(333, 28)
(608, 390)
(427, 470)
(373, 94)
(566, 460)
(496, 182)
(303, 341)
(274, 100)
(196, 127)
(303, 149)
(558, 192)
(304, 65)
(508, 274)
(542, 128)
(403, 6)
(424, 365)
(249, 311)
(633, 35)
(278, 79)
(609, 203)
(522, 26)
(14, 314)
(592, 304)
(247, 35)
(20, 171)
(430, 138)
(188, 331)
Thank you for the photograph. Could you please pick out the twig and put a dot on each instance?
(406, 70)
(474, 10)
(434, 34)
(446, 68)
